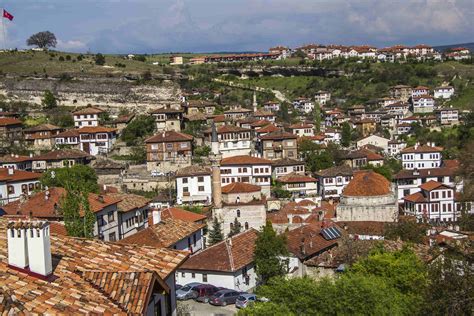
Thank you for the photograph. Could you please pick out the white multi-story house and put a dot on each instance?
(69, 138)
(398, 108)
(284, 166)
(332, 181)
(395, 147)
(233, 140)
(247, 169)
(408, 181)
(419, 91)
(332, 136)
(194, 185)
(273, 106)
(447, 116)
(133, 211)
(303, 104)
(17, 183)
(299, 185)
(423, 104)
(322, 97)
(445, 92)
(96, 140)
(237, 113)
(302, 129)
(435, 202)
(235, 270)
(87, 117)
(373, 140)
(421, 157)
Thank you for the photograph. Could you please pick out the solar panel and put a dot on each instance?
(330, 233)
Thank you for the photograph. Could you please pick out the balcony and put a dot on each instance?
(277, 147)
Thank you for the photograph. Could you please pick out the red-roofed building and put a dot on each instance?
(302, 129)
(41, 137)
(299, 185)
(10, 128)
(87, 117)
(421, 157)
(96, 140)
(278, 145)
(17, 183)
(169, 151)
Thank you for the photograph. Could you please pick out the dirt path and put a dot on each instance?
(278, 94)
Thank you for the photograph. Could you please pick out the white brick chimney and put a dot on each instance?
(156, 216)
(29, 246)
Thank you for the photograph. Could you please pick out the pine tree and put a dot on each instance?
(236, 228)
(269, 248)
(215, 234)
(317, 117)
(49, 100)
(346, 135)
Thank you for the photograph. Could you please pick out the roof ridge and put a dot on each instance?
(229, 252)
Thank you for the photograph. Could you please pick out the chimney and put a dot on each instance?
(100, 198)
(29, 246)
(31, 155)
(10, 171)
(156, 216)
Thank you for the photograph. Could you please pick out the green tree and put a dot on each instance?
(138, 154)
(410, 231)
(78, 217)
(346, 134)
(317, 161)
(78, 178)
(383, 170)
(137, 129)
(43, 40)
(317, 117)
(235, 229)
(49, 100)
(99, 59)
(269, 249)
(283, 113)
(215, 233)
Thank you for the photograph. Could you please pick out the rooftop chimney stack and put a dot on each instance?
(10, 171)
(156, 216)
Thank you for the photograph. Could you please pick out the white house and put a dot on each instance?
(395, 147)
(247, 169)
(447, 116)
(302, 129)
(332, 181)
(299, 185)
(434, 202)
(423, 104)
(421, 157)
(68, 138)
(408, 181)
(332, 136)
(233, 140)
(303, 104)
(16, 162)
(284, 166)
(96, 140)
(273, 106)
(193, 185)
(17, 183)
(374, 140)
(445, 92)
(419, 91)
(229, 264)
(87, 117)
(322, 97)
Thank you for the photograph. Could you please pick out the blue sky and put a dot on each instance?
(148, 26)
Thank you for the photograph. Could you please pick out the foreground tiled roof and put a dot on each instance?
(169, 136)
(14, 158)
(307, 241)
(228, 129)
(416, 197)
(268, 129)
(68, 133)
(240, 187)
(130, 202)
(364, 153)
(244, 160)
(181, 214)
(18, 175)
(164, 234)
(228, 255)
(84, 276)
(363, 227)
(367, 183)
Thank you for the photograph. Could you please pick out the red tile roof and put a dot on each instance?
(63, 154)
(432, 185)
(181, 214)
(229, 255)
(168, 137)
(240, 187)
(193, 170)
(417, 197)
(268, 129)
(295, 178)
(95, 129)
(5, 121)
(307, 241)
(244, 160)
(422, 149)
(277, 135)
(367, 183)
(18, 175)
(14, 158)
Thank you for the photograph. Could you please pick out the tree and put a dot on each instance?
(78, 178)
(318, 161)
(99, 59)
(408, 230)
(346, 135)
(235, 229)
(49, 100)
(215, 234)
(317, 117)
(78, 217)
(137, 129)
(42, 40)
(269, 249)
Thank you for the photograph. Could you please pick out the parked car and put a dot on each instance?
(187, 291)
(177, 287)
(245, 300)
(204, 291)
(224, 297)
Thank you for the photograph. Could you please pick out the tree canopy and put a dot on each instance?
(215, 233)
(49, 100)
(137, 129)
(78, 178)
(42, 40)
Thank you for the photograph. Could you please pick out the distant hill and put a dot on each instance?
(443, 48)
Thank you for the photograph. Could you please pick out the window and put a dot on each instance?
(31, 186)
(110, 216)
(449, 194)
(201, 188)
(193, 275)
(200, 179)
(444, 194)
(246, 225)
(238, 213)
(185, 180)
(183, 274)
(11, 189)
(112, 237)
(185, 189)
(24, 188)
(204, 277)
(169, 146)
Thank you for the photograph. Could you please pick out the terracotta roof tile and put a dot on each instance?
(88, 110)
(432, 185)
(130, 202)
(422, 149)
(68, 133)
(367, 183)
(244, 160)
(18, 175)
(63, 154)
(307, 241)
(193, 170)
(268, 129)
(95, 129)
(425, 173)
(5, 121)
(343, 170)
(296, 178)
(416, 197)
(14, 158)
(181, 214)
(287, 162)
(228, 255)
(277, 135)
(240, 187)
(169, 136)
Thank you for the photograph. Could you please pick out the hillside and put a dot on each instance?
(443, 48)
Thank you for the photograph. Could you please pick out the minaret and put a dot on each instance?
(254, 102)
(215, 159)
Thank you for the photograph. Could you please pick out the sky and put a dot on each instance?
(159, 26)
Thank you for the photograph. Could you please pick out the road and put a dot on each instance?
(192, 308)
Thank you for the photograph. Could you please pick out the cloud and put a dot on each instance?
(71, 45)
